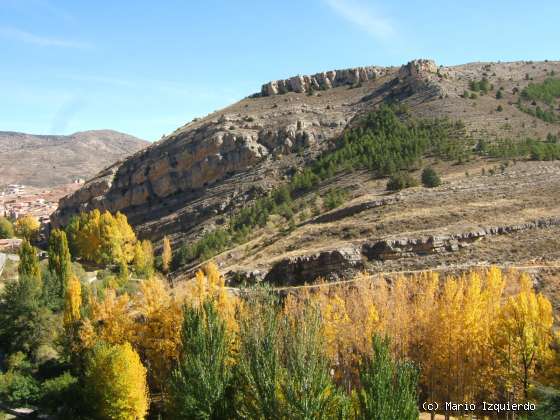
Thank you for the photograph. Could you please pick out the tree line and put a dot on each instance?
(371, 350)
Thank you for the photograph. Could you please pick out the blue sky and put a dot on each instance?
(147, 67)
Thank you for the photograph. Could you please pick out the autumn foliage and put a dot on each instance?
(101, 238)
(369, 348)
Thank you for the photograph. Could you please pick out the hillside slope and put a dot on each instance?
(190, 182)
(51, 160)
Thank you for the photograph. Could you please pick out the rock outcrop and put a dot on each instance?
(329, 265)
(347, 261)
(389, 249)
(345, 77)
(186, 164)
(323, 80)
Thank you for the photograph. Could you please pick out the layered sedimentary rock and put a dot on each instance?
(347, 261)
(323, 80)
(329, 265)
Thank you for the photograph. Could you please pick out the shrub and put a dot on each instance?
(430, 178)
(500, 108)
(6, 228)
(334, 198)
(401, 181)
(59, 392)
(18, 389)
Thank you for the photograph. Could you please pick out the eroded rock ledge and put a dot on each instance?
(336, 78)
(347, 261)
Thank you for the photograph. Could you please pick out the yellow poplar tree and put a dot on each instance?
(115, 383)
(159, 335)
(166, 255)
(27, 227)
(144, 259)
(524, 335)
(112, 318)
(73, 301)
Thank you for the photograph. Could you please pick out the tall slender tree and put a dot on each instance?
(29, 263)
(60, 262)
(166, 255)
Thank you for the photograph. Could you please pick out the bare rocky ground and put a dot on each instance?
(190, 181)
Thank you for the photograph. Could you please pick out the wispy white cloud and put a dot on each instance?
(38, 7)
(29, 38)
(365, 17)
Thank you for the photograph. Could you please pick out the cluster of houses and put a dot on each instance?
(17, 201)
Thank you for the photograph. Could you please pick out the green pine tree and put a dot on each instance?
(259, 370)
(308, 390)
(24, 322)
(200, 385)
(388, 387)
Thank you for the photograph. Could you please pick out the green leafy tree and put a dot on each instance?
(548, 407)
(388, 387)
(200, 384)
(430, 178)
(29, 263)
(6, 228)
(24, 322)
(60, 395)
(60, 263)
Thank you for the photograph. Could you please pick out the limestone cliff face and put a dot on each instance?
(183, 183)
(323, 80)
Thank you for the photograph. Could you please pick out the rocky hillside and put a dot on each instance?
(47, 161)
(191, 181)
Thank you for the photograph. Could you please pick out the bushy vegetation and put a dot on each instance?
(6, 228)
(482, 85)
(430, 177)
(546, 115)
(334, 198)
(546, 92)
(528, 148)
(401, 181)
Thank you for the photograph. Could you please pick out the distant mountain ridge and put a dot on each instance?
(51, 160)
